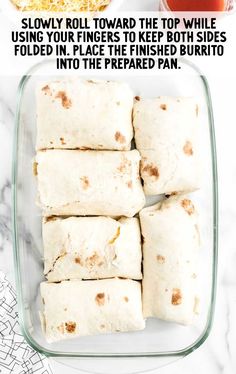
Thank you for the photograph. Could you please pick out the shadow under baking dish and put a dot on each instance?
(159, 339)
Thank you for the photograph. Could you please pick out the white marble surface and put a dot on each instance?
(218, 353)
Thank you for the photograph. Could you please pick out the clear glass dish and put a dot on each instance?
(161, 342)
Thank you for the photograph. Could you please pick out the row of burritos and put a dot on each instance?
(105, 116)
(96, 249)
(80, 250)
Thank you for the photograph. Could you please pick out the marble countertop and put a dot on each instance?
(218, 353)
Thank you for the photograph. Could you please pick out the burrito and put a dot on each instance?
(84, 115)
(166, 134)
(91, 248)
(77, 308)
(170, 251)
(72, 182)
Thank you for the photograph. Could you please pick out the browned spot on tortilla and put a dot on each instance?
(188, 206)
(161, 259)
(51, 142)
(65, 101)
(187, 148)
(166, 289)
(70, 327)
(51, 218)
(78, 261)
(46, 90)
(119, 137)
(100, 299)
(124, 165)
(176, 296)
(163, 106)
(61, 328)
(65, 309)
(194, 275)
(197, 110)
(130, 184)
(43, 301)
(62, 140)
(118, 103)
(151, 170)
(35, 168)
(137, 98)
(102, 326)
(167, 195)
(117, 234)
(85, 182)
(126, 299)
(93, 260)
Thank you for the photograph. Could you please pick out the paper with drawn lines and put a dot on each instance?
(16, 356)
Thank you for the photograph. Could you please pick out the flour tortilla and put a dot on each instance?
(74, 182)
(91, 248)
(77, 308)
(84, 114)
(166, 134)
(170, 250)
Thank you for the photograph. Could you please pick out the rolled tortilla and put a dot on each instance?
(84, 114)
(166, 134)
(77, 308)
(74, 182)
(170, 250)
(91, 248)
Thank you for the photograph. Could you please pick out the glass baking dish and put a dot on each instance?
(161, 342)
